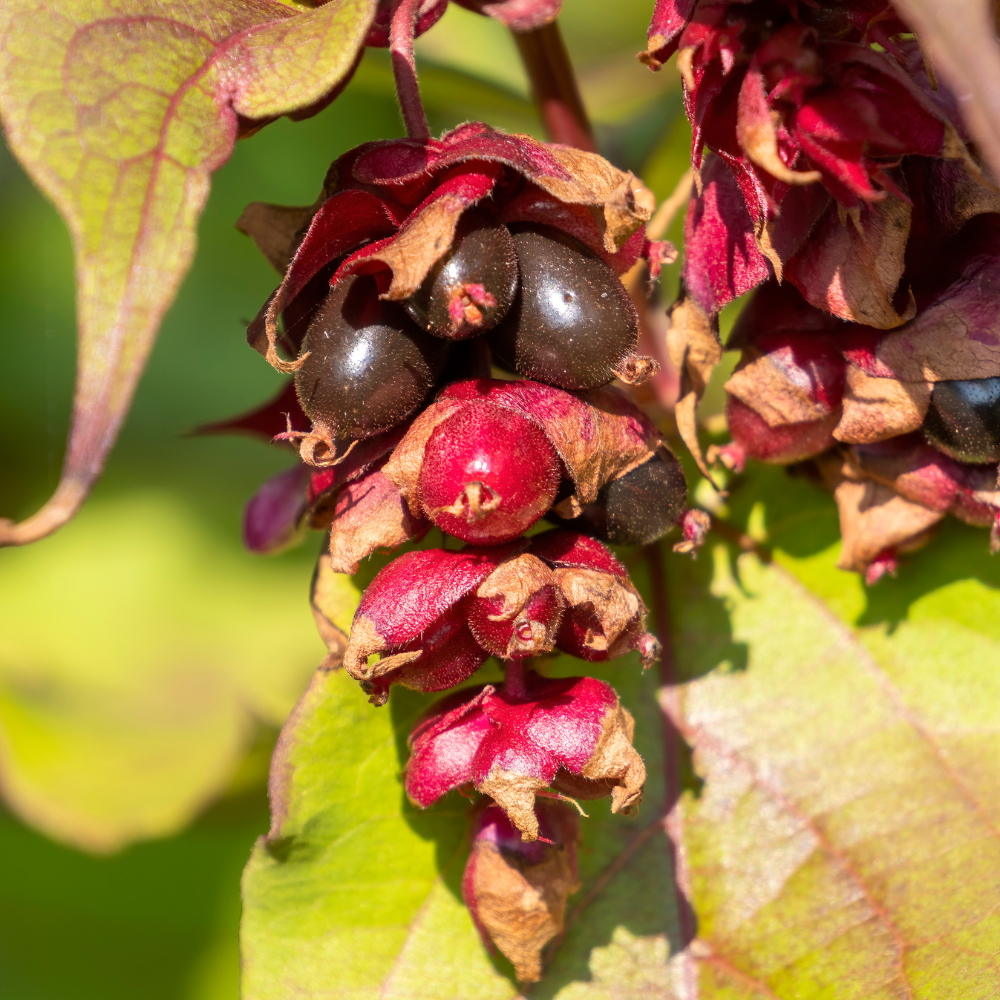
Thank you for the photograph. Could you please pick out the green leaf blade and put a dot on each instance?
(120, 111)
(845, 842)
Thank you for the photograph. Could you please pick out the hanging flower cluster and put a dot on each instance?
(426, 265)
(833, 171)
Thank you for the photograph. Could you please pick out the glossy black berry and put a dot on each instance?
(963, 420)
(472, 287)
(368, 367)
(573, 324)
(638, 508)
(641, 506)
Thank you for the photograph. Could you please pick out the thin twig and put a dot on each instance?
(553, 87)
(404, 68)
(667, 211)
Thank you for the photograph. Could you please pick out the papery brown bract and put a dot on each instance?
(567, 733)
(516, 892)
(516, 610)
(605, 617)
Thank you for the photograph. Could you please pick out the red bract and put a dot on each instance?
(570, 734)
(516, 892)
(390, 209)
(790, 94)
(785, 395)
(434, 616)
(412, 615)
(808, 122)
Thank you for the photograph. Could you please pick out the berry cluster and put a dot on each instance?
(427, 269)
(843, 184)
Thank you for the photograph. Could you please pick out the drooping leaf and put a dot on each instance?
(120, 110)
(845, 842)
(137, 656)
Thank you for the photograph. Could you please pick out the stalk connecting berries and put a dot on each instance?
(423, 260)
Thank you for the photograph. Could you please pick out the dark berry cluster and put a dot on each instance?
(843, 183)
(427, 271)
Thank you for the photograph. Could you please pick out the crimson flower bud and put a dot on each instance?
(411, 615)
(517, 609)
(570, 734)
(517, 891)
(487, 474)
(695, 525)
(605, 616)
(434, 616)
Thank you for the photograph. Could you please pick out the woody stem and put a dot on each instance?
(553, 86)
(404, 68)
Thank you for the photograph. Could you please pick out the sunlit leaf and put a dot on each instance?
(845, 842)
(120, 110)
(137, 656)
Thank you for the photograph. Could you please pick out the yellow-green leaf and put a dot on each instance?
(137, 657)
(846, 841)
(120, 110)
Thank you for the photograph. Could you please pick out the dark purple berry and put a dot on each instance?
(471, 288)
(368, 366)
(573, 325)
(963, 420)
(638, 508)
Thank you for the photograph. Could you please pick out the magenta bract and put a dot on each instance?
(567, 733)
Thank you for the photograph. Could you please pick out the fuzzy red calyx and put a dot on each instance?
(569, 734)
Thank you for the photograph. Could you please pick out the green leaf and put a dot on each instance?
(120, 110)
(845, 842)
(358, 893)
(138, 655)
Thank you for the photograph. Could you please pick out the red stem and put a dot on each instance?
(553, 87)
(404, 68)
(513, 684)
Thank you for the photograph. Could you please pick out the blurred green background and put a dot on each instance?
(147, 661)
